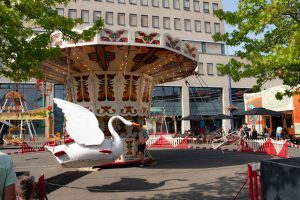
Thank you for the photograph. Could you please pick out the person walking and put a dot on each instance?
(8, 178)
(143, 137)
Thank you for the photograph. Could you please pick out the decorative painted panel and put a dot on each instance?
(173, 43)
(190, 50)
(83, 88)
(114, 93)
(108, 35)
(152, 38)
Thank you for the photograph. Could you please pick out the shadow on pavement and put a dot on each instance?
(198, 158)
(60, 180)
(130, 184)
(224, 188)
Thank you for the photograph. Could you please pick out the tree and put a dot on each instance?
(22, 49)
(269, 32)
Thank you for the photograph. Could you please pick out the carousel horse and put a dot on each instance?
(86, 146)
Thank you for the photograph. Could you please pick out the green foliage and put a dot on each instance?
(21, 49)
(269, 31)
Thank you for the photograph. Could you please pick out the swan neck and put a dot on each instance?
(113, 133)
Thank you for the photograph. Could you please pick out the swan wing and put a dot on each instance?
(81, 124)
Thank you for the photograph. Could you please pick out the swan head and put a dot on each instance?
(127, 122)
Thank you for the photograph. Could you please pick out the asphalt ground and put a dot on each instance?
(178, 174)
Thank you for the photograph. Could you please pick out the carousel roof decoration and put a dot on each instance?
(160, 56)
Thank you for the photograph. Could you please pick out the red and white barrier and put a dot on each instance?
(33, 146)
(268, 146)
(167, 142)
(254, 182)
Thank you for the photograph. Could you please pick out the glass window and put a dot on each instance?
(155, 3)
(205, 100)
(144, 20)
(177, 25)
(144, 2)
(121, 1)
(72, 13)
(133, 19)
(98, 0)
(205, 7)
(133, 2)
(60, 11)
(215, 7)
(85, 16)
(207, 27)
(187, 24)
(186, 4)
(166, 4)
(155, 21)
(197, 26)
(109, 18)
(203, 47)
(110, 1)
(218, 72)
(200, 69)
(121, 19)
(210, 69)
(222, 49)
(96, 15)
(217, 27)
(176, 4)
(169, 98)
(166, 21)
(196, 5)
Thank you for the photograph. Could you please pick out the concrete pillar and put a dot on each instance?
(225, 101)
(185, 103)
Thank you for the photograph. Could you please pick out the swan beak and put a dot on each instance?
(135, 124)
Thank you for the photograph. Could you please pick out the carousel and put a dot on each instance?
(114, 74)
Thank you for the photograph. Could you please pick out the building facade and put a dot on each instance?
(206, 93)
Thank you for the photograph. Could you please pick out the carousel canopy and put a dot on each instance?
(159, 56)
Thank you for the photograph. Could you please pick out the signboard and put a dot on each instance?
(37, 114)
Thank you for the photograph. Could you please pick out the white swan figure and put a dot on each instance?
(87, 146)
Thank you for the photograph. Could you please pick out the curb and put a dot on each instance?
(210, 148)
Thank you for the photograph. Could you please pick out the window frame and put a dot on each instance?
(94, 12)
(185, 23)
(133, 2)
(163, 5)
(177, 19)
(212, 69)
(70, 13)
(216, 23)
(213, 7)
(144, 2)
(130, 19)
(195, 22)
(60, 9)
(153, 3)
(164, 20)
(200, 65)
(206, 31)
(88, 17)
(142, 21)
(205, 10)
(121, 14)
(186, 5)
(199, 7)
(175, 8)
(106, 18)
(155, 17)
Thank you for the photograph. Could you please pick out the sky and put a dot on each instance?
(230, 5)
